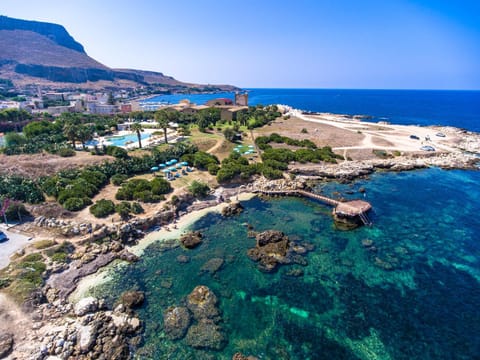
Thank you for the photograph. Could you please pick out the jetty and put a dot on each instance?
(342, 209)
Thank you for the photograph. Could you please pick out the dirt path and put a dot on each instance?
(215, 147)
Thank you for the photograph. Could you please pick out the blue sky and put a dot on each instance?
(384, 44)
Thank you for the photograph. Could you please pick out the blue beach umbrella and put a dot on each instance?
(162, 166)
(179, 166)
(154, 168)
(165, 171)
(172, 169)
(185, 163)
(250, 146)
(173, 161)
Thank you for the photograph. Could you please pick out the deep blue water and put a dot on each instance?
(423, 107)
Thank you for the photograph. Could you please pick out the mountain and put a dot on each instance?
(39, 53)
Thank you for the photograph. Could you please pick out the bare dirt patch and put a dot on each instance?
(320, 134)
(36, 165)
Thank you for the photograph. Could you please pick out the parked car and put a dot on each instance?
(427, 148)
(3, 237)
(414, 137)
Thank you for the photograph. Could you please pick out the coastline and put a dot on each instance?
(343, 171)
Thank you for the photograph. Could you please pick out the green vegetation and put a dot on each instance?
(21, 189)
(118, 179)
(66, 152)
(201, 160)
(102, 208)
(16, 211)
(43, 244)
(125, 209)
(199, 189)
(60, 253)
(144, 190)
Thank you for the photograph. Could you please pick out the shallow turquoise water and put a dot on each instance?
(346, 305)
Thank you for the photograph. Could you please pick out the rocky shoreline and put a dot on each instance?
(350, 170)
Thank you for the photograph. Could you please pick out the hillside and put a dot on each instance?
(37, 53)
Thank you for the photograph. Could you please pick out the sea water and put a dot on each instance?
(409, 107)
(413, 293)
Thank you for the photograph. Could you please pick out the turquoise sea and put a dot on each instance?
(406, 288)
(347, 304)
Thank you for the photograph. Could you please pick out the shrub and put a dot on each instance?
(117, 152)
(213, 169)
(74, 204)
(199, 189)
(66, 152)
(118, 179)
(59, 257)
(43, 244)
(32, 258)
(304, 131)
(102, 208)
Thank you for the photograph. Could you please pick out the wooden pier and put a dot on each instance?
(345, 209)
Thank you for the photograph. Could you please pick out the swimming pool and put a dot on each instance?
(121, 140)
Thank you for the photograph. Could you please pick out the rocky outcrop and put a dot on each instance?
(274, 248)
(6, 344)
(176, 321)
(234, 208)
(85, 306)
(65, 74)
(191, 240)
(97, 333)
(202, 302)
(54, 32)
(270, 250)
(240, 356)
(199, 322)
(353, 169)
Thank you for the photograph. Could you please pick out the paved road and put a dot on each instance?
(14, 243)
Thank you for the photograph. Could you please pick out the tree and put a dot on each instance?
(110, 99)
(183, 130)
(84, 133)
(70, 131)
(138, 128)
(161, 117)
(207, 117)
(199, 189)
(229, 134)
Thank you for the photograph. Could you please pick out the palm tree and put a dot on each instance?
(162, 118)
(138, 128)
(70, 131)
(84, 133)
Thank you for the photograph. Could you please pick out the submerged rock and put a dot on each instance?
(206, 335)
(202, 302)
(191, 240)
(132, 299)
(367, 243)
(176, 321)
(240, 356)
(212, 265)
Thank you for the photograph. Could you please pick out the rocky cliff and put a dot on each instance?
(39, 53)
